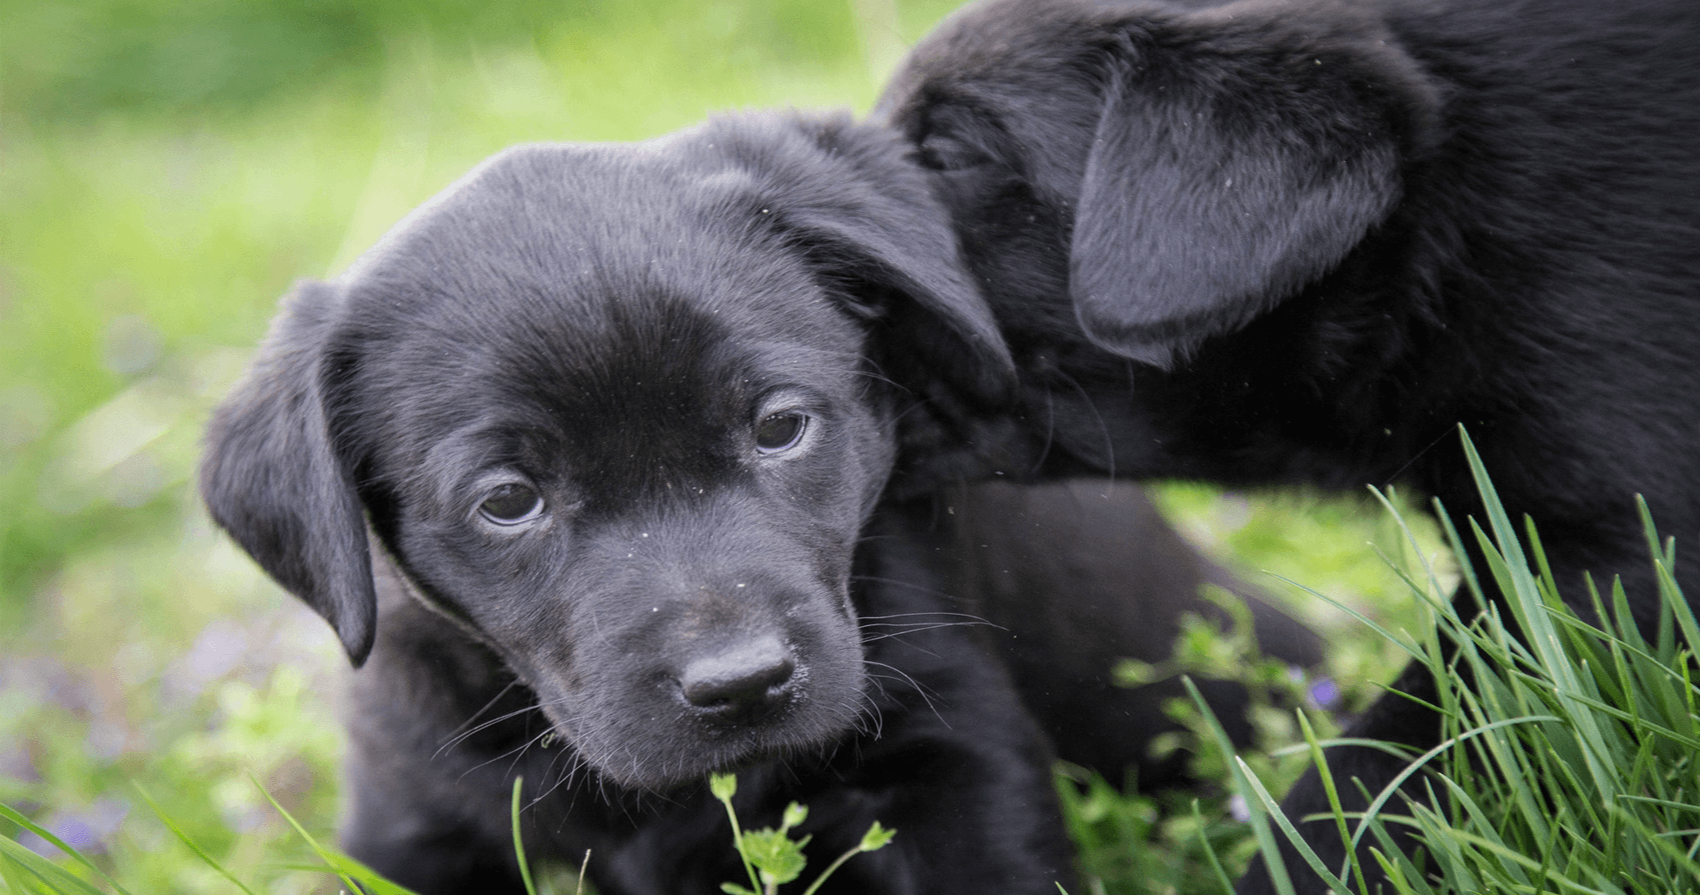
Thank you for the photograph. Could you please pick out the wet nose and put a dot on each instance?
(751, 675)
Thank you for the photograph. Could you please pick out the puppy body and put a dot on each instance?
(1080, 575)
(615, 423)
(1303, 242)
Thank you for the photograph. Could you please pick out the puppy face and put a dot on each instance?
(612, 410)
(642, 485)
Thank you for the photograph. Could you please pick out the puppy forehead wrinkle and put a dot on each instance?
(728, 546)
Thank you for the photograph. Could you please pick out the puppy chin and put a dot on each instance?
(657, 754)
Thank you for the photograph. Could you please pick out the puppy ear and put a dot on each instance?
(271, 478)
(1237, 157)
(870, 221)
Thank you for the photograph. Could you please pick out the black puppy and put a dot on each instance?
(616, 419)
(1079, 575)
(1305, 241)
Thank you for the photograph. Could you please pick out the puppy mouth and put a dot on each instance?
(669, 741)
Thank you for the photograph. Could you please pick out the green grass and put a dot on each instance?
(1571, 764)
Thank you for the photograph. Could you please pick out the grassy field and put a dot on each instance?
(166, 171)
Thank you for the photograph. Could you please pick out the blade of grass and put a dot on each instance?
(12, 815)
(57, 879)
(1280, 819)
(11, 876)
(1256, 806)
(1320, 761)
(1393, 787)
(191, 844)
(1366, 621)
(342, 866)
(1527, 602)
(1216, 868)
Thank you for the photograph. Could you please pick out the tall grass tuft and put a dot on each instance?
(1570, 764)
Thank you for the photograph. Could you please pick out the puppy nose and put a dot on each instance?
(749, 675)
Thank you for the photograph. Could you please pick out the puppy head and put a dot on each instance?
(614, 410)
(1155, 175)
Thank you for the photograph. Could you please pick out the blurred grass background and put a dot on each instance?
(166, 171)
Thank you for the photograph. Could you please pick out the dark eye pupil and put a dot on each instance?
(780, 431)
(509, 504)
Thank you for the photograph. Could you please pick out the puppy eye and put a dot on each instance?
(780, 431)
(511, 504)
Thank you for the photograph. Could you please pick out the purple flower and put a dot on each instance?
(1324, 693)
(87, 830)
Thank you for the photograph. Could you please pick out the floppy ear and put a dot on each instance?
(1236, 159)
(271, 478)
(866, 217)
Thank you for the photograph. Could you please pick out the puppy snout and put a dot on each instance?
(743, 679)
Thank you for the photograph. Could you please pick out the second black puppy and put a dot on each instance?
(610, 424)
(1078, 576)
(1305, 240)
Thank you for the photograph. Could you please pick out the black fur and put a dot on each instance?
(615, 421)
(1077, 576)
(1305, 241)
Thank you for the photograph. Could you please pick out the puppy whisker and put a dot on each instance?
(881, 377)
(899, 582)
(917, 629)
(1050, 434)
(464, 732)
(966, 618)
(516, 753)
(920, 689)
(575, 763)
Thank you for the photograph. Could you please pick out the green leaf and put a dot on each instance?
(776, 857)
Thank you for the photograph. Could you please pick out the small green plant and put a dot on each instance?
(1186, 841)
(771, 857)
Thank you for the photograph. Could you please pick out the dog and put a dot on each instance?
(1077, 576)
(1279, 241)
(584, 463)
